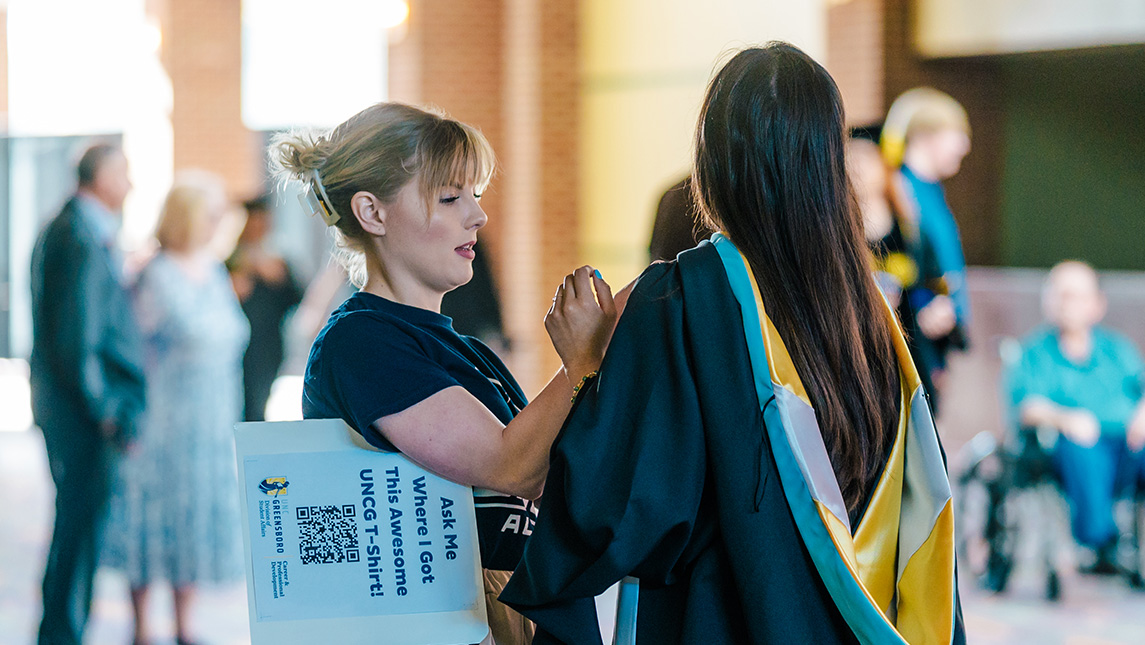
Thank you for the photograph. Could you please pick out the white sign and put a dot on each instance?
(351, 545)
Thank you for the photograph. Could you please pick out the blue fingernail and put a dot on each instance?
(596, 272)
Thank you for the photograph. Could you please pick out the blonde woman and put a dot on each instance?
(175, 513)
(924, 140)
(401, 187)
(744, 445)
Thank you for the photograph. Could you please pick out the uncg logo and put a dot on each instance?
(274, 486)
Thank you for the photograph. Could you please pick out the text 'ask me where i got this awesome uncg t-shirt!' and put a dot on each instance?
(376, 357)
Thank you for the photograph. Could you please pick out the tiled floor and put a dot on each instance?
(1094, 612)
(26, 495)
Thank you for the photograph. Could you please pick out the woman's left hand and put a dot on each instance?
(581, 320)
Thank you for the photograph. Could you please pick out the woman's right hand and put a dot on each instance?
(580, 321)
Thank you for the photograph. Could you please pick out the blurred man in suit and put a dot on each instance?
(87, 379)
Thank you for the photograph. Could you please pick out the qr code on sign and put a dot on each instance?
(327, 534)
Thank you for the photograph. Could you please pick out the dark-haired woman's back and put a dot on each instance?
(668, 476)
(669, 472)
(757, 449)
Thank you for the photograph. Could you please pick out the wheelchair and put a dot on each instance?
(1010, 507)
(1000, 487)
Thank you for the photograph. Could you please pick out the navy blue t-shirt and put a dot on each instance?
(376, 357)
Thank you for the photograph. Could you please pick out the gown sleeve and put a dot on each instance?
(626, 474)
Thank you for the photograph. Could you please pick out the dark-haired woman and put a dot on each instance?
(757, 449)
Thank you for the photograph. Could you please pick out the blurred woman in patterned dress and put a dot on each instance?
(175, 515)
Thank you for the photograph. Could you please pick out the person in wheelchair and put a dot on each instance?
(1086, 382)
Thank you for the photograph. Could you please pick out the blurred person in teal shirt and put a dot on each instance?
(1086, 382)
(924, 140)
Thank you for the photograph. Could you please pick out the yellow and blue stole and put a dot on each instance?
(893, 577)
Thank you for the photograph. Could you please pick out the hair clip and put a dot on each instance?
(316, 202)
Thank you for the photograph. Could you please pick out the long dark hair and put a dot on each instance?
(770, 173)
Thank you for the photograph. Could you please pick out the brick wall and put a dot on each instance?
(202, 52)
(521, 284)
(975, 193)
(450, 56)
(509, 68)
(540, 96)
(559, 91)
(855, 58)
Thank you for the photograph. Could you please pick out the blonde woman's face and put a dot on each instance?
(946, 148)
(433, 243)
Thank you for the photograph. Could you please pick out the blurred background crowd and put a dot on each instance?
(997, 154)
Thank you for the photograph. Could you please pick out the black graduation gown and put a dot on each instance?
(664, 471)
